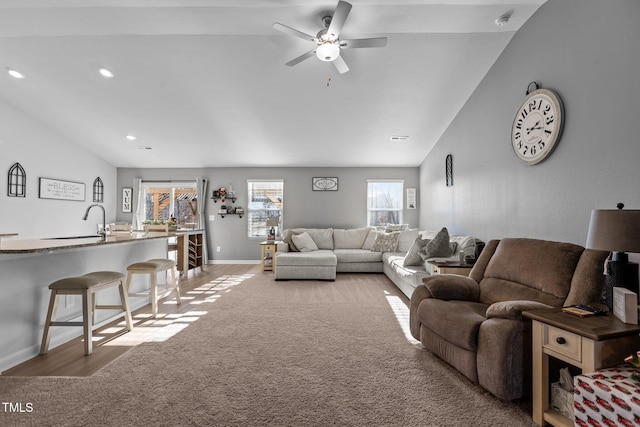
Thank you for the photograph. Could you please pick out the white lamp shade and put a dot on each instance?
(615, 230)
(328, 51)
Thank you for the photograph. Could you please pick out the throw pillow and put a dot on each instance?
(370, 240)
(386, 242)
(304, 242)
(413, 255)
(406, 239)
(390, 228)
(438, 247)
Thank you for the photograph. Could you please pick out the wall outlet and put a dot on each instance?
(217, 248)
(212, 217)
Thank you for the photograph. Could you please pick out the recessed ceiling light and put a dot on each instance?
(105, 73)
(398, 138)
(131, 137)
(15, 74)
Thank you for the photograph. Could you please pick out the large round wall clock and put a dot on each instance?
(537, 126)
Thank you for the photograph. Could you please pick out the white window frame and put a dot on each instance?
(399, 203)
(253, 210)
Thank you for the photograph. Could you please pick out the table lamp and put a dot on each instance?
(617, 231)
(272, 222)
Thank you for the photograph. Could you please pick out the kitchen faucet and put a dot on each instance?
(103, 233)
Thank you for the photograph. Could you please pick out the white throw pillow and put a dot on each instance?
(370, 240)
(406, 239)
(304, 242)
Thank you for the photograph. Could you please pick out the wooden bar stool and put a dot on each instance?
(152, 267)
(87, 286)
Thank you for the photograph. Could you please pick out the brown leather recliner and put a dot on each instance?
(475, 323)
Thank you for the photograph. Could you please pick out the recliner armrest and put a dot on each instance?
(452, 287)
(513, 309)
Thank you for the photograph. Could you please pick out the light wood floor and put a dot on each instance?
(110, 342)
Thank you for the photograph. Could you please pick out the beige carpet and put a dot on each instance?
(260, 352)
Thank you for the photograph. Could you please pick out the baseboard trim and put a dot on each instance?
(233, 261)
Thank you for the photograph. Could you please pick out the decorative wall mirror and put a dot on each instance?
(16, 181)
(98, 190)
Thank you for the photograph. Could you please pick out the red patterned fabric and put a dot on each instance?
(608, 397)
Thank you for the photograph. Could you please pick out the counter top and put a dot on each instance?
(53, 244)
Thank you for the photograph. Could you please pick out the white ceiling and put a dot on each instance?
(203, 82)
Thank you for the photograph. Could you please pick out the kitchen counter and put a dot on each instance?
(28, 266)
(25, 246)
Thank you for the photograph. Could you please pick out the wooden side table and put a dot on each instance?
(268, 258)
(451, 267)
(589, 343)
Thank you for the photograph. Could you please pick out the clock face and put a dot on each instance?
(537, 126)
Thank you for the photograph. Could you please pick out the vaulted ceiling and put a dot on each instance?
(203, 83)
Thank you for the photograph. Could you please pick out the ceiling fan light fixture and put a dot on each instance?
(328, 51)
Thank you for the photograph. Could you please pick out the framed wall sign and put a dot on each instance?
(127, 193)
(411, 198)
(61, 190)
(325, 184)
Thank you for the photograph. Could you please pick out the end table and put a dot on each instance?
(589, 343)
(268, 257)
(451, 267)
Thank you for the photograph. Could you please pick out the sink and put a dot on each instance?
(91, 236)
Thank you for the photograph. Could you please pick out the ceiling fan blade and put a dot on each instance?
(292, 31)
(301, 58)
(340, 65)
(358, 43)
(338, 18)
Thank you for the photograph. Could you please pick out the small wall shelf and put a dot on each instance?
(216, 198)
(230, 213)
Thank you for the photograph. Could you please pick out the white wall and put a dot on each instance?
(42, 153)
(589, 52)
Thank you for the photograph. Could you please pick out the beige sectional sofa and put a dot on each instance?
(363, 250)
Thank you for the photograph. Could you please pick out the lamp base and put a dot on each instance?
(621, 274)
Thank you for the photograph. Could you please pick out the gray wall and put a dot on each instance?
(588, 52)
(345, 208)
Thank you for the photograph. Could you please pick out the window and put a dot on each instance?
(384, 202)
(265, 201)
(162, 200)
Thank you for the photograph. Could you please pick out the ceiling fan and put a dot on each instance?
(328, 43)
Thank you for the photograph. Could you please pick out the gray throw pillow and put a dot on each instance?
(304, 242)
(413, 254)
(386, 242)
(438, 247)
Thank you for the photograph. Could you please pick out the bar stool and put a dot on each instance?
(87, 286)
(152, 267)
